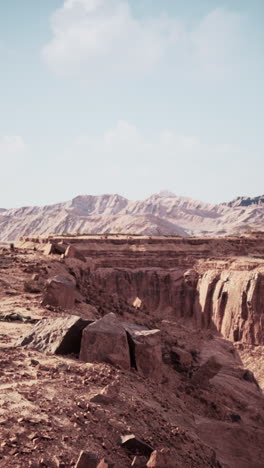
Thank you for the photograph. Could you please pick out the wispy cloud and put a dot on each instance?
(103, 36)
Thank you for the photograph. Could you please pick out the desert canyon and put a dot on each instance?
(122, 350)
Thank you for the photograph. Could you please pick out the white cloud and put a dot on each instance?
(11, 145)
(98, 36)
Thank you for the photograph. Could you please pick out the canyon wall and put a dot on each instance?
(215, 283)
(233, 303)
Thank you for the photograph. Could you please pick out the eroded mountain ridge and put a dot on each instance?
(160, 214)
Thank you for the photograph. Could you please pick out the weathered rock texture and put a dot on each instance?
(145, 348)
(60, 292)
(72, 252)
(217, 283)
(105, 341)
(46, 400)
(164, 458)
(161, 214)
(56, 336)
(233, 302)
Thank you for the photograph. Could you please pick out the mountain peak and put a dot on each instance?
(246, 201)
(166, 194)
(162, 213)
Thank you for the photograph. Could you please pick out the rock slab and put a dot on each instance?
(56, 336)
(145, 348)
(106, 341)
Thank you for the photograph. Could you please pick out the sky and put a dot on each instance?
(131, 97)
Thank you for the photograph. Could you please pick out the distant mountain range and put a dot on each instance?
(163, 213)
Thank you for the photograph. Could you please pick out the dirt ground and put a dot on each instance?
(46, 413)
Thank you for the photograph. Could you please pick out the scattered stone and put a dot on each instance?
(35, 277)
(108, 394)
(137, 303)
(14, 317)
(206, 372)
(56, 336)
(33, 286)
(55, 248)
(105, 340)
(163, 458)
(87, 460)
(105, 464)
(49, 249)
(59, 292)
(47, 463)
(180, 358)
(135, 445)
(11, 293)
(34, 362)
(60, 248)
(235, 417)
(145, 349)
(139, 462)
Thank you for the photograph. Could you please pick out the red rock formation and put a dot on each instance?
(60, 292)
(233, 302)
(105, 341)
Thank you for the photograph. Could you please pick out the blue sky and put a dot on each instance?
(131, 97)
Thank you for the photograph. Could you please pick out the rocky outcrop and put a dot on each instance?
(72, 252)
(207, 371)
(59, 292)
(217, 283)
(108, 395)
(145, 348)
(105, 341)
(164, 458)
(56, 336)
(135, 445)
(55, 248)
(90, 460)
(233, 303)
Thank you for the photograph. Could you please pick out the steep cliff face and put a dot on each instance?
(233, 302)
(215, 283)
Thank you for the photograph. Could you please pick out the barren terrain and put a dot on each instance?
(163, 213)
(204, 295)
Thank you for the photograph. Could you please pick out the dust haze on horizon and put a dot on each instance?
(130, 97)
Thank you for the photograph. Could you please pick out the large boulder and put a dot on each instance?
(135, 445)
(181, 359)
(207, 371)
(145, 349)
(59, 292)
(105, 341)
(55, 248)
(56, 336)
(72, 252)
